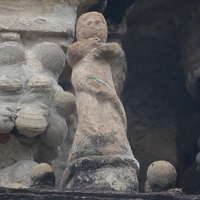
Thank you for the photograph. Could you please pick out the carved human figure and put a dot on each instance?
(100, 156)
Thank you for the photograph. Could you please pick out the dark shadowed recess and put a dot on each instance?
(154, 57)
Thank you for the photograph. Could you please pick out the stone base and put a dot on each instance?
(102, 173)
(30, 194)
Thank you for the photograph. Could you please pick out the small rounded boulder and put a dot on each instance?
(161, 176)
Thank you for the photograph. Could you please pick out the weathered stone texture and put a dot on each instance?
(100, 157)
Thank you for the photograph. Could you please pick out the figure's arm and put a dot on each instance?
(80, 49)
(109, 51)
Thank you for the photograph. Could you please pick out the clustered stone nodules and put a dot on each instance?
(34, 107)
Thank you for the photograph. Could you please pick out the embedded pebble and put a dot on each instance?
(161, 176)
(40, 82)
(56, 132)
(51, 56)
(43, 174)
(30, 122)
(65, 103)
(8, 84)
(14, 53)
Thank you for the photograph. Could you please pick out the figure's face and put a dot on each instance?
(91, 25)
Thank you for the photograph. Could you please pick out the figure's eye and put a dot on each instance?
(11, 53)
(51, 56)
(89, 23)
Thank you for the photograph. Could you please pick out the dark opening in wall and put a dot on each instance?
(113, 10)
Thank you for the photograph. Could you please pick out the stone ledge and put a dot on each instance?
(32, 194)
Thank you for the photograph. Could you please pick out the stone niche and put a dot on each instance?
(161, 92)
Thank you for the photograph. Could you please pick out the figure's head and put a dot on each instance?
(90, 25)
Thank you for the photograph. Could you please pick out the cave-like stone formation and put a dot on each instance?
(161, 92)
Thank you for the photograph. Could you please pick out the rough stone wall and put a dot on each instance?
(161, 93)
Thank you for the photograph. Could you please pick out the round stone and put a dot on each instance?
(40, 83)
(65, 103)
(56, 132)
(11, 53)
(30, 122)
(51, 56)
(43, 174)
(161, 176)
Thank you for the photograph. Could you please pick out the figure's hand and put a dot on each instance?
(80, 49)
(109, 51)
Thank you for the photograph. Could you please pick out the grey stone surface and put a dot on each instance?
(17, 173)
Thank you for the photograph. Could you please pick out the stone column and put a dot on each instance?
(100, 157)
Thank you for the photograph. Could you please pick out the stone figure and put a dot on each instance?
(34, 36)
(100, 157)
